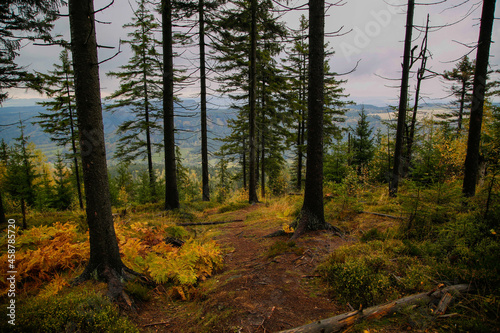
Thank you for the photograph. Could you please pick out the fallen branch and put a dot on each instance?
(384, 215)
(341, 322)
(207, 223)
(166, 323)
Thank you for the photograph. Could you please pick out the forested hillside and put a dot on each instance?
(188, 137)
(212, 166)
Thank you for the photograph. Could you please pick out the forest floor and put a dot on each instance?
(266, 284)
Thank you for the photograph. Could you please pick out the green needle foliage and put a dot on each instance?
(140, 89)
(60, 119)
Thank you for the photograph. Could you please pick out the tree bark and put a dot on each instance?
(263, 141)
(203, 97)
(23, 213)
(420, 78)
(476, 114)
(104, 253)
(244, 164)
(252, 182)
(73, 145)
(171, 191)
(343, 321)
(149, 153)
(312, 216)
(403, 101)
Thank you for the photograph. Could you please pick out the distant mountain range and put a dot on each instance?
(187, 122)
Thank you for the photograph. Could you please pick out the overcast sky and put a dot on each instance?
(377, 30)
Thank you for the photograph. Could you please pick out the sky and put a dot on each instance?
(373, 40)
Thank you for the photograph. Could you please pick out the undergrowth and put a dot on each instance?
(75, 311)
(44, 254)
(440, 240)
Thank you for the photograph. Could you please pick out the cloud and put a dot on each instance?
(378, 28)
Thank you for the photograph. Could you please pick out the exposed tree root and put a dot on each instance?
(114, 278)
(302, 228)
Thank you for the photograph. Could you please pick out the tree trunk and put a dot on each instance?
(476, 114)
(203, 96)
(462, 106)
(149, 153)
(23, 213)
(252, 184)
(302, 124)
(298, 185)
(263, 142)
(104, 253)
(312, 216)
(420, 78)
(262, 168)
(73, 145)
(151, 172)
(403, 100)
(244, 162)
(171, 191)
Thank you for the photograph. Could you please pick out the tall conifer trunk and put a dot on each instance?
(252, 184)
(476, 114)
(171, 191)
(312, 216)
(403, 101)
(73, 144)
(203, 98)
(149, 153)
(104, 253)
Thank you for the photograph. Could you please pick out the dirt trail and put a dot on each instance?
(255, 292)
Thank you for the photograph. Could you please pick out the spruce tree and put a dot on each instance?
(205, 12)
(22, 20)
(105, 262)
(171, 190)
(21, 174)
(296, 68)
(362, 142)
(60, 120)
(140, 89)
(246, 46)
(62, 196)
(312, 216)
(461, 76)
(4, 159)
(479, 88)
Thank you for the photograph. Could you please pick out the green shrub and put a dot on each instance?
(232, 206)
(138, 290)
(281, 247)
(177, 232)
(358, 280)
(372, 234)
(74, 312)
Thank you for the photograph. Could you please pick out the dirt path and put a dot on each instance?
(256, 291)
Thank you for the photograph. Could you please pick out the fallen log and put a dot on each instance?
(207, 223)
(443, 304)
(343, 321)
(384, 215)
